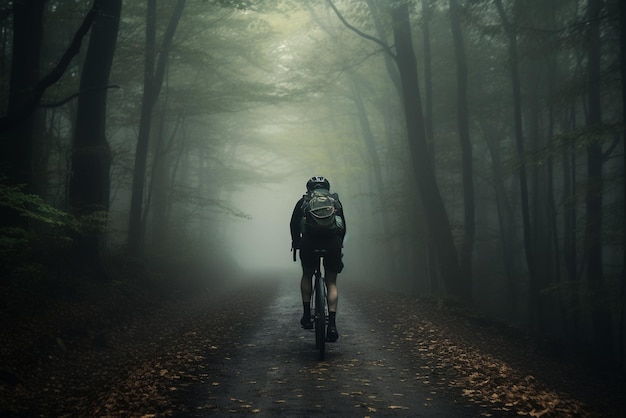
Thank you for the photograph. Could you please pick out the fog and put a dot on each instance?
(476, 162)
(263, 241)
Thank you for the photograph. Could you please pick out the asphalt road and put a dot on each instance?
(274, 370)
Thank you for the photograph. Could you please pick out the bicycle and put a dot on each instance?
(319, 303)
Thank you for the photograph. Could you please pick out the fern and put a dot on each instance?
(49, 234)
(31, 206)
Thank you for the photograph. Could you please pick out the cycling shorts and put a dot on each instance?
(332, 258)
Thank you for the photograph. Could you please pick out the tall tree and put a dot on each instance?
(89, 185)
(601, 317)
(154, 72)
(16, 141)
(463, 131)
(494, 136)
(428, 126)
(622, 43)
(372, 153)
(434, 208)
(511, 29)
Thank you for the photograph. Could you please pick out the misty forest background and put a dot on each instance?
(477, 146)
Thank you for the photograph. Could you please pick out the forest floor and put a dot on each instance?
(132, 348)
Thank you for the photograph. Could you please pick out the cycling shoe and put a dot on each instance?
(306, 322)
(332, 335)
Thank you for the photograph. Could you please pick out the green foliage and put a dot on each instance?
(30, 206)
(34, 208)
(16, 243)
(89, 223)
(50, 232)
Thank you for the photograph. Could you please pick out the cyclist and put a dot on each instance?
(307, 241)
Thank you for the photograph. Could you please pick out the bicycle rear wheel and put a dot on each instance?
(320, 317)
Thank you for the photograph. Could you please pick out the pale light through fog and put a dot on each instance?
(263, 241)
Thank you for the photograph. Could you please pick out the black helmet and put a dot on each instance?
(317, 182)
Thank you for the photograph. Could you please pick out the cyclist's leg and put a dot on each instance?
(333, 294)
(333, 265)
(308, 267)
(306, 287)
(306, 290)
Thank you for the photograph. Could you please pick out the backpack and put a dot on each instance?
(320, 215)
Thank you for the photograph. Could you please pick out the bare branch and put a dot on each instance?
(73, 96)
(8, 122)
(385, 47)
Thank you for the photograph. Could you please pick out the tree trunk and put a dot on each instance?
(508, 232)
(436, 215)
(89, 187)
(569, 228)
(370, 145)
(552, 67)
(135, 224)
(600, 315)
(622, 37)
(161, 184)
(466, 144)
(16, 143)
(428, 126)
(153, 80)
(533, 296)
(538, 200)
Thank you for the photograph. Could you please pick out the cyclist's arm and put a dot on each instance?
(294, 224)
(343, 217)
